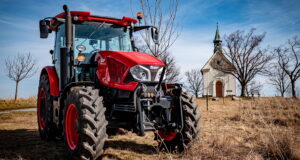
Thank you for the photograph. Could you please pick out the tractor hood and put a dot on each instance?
(114, 68)
(129, 58)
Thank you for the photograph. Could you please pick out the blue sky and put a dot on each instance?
(280, 19)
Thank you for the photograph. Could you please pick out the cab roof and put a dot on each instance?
(86, 16)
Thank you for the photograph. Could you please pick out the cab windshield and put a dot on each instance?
(101, 36)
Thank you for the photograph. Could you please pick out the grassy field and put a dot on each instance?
(20, 103)
(264, 128)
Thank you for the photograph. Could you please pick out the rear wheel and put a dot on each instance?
(45, 110)
(84, 123)
(182, 141)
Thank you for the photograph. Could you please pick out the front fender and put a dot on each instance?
(53, 80)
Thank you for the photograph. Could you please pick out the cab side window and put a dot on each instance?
(59, 43)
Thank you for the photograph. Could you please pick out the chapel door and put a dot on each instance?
(219, 89)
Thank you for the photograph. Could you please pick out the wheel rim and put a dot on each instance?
(41, 109)
(167, 136)
(71, 125)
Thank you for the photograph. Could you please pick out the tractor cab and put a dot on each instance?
(87, 35)
(89, 39)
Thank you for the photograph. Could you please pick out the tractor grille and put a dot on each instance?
(116, 70)
(123, 107)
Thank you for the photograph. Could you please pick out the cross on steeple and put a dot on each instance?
(217, 40)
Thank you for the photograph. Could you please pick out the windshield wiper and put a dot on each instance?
(98, 27)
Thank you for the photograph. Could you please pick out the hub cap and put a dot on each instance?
(42, 109)
(71, 126)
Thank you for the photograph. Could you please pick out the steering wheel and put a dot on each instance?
(95, 50)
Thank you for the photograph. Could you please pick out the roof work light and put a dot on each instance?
(139, 16)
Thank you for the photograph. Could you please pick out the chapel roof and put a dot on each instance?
(218, 60)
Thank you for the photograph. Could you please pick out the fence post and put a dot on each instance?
(206, 102)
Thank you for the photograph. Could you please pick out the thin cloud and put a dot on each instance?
(19, 23)
(5, 22)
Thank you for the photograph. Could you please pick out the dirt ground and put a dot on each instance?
(264, 128)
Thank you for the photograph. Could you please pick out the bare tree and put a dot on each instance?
(194, 81)
(20, 67)
(254, 87)
(246, 56)
(279, 79)
(163, 17)
(172, 71)
(289, 61)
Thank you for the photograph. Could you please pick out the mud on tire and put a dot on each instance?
(90, 125)
(47, 128)
(190, 130)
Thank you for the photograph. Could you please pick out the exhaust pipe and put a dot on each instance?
(66, 53)
(68, 27)
(64, 67)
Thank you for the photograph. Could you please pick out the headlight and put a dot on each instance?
(140, 73)
(146, 72)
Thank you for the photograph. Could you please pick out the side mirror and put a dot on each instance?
(154, 34)
(44, 28)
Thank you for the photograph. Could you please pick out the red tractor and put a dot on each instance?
(99, 83)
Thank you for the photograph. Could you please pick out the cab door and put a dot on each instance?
(59, 42)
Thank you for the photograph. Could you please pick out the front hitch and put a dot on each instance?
(158, 112)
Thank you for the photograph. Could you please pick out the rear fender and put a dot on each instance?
(53, 80)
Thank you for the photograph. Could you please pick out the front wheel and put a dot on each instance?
(182, 141)
(84, 123)
(46, 126)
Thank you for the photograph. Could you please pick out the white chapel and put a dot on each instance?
(217, 80)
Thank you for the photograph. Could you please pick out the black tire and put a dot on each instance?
(45, 110)
(190, 130)
(91, 123)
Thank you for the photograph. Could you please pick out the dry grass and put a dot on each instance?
(265, 128)
(20, 103)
